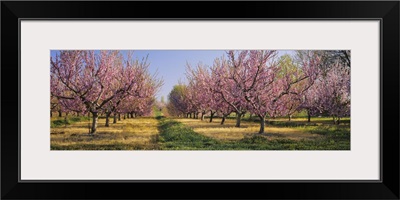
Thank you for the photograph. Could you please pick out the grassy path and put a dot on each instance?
(176, 136)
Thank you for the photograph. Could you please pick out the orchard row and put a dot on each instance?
(102, 82)
(265, 85)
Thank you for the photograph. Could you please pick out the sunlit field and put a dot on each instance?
(228, 131)
(127, 134)
(279, 135)
(162, 133)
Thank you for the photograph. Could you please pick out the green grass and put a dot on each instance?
(139, 133)
(176, 136)
(111, 146)
(59, 122)
(162, 133)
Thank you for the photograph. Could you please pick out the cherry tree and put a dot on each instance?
(54, 106)
(287, 105)
(333, 92)
(290, 103)
(222, 107)
(330, 95)
(54, 101)
(227, 87)
(200, 86)
(255, 74)
(217, 104)
(145, 87)
(311, 102)
(205, 90)
(146, 108)
(93, 79)
(63, 105)
(141, 101)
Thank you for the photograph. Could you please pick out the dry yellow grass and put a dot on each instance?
(228, 131)
(137, 133)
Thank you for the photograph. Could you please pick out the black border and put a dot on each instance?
(387, 12)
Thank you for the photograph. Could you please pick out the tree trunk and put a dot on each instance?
(94, 123)
(262, 124)
(124, 116)
(223, 120)
(211, 116)
(108, 119)
(202, 116)
(119, 117)
(308, 116)
(115, 118)
(51, 113)
(238, 115)
(190, 115)
(65, 120)
(77, 114)
(89, 121)
(290, 118)
(59, 113)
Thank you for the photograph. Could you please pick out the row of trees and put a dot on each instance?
(102, 82)
(258, 83)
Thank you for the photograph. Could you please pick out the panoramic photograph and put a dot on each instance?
(200, 99)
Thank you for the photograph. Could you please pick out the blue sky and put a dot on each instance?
(171, 64)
